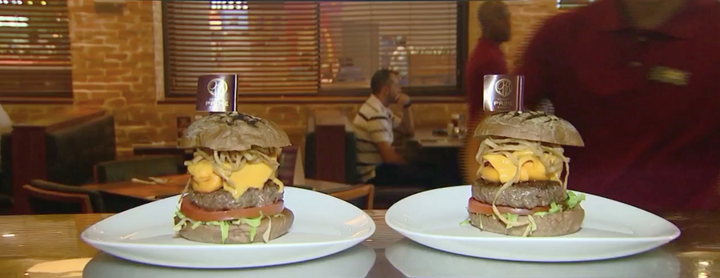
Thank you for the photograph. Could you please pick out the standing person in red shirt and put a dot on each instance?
(639, 80)
(487, 58)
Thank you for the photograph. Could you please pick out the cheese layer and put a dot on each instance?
(503, 169)
(252, 175)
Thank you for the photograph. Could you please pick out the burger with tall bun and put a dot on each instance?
(521, 185)
(233, 195)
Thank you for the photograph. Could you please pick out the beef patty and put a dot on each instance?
(223, 200)
(526, 194)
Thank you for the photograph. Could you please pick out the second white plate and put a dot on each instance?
(323, 225)
(415, 260)
(611, 229)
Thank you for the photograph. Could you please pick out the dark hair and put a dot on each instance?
(489, 10)
(380, 79)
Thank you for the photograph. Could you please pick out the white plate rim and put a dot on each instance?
(667, 238)
(372, 227)
(361, 251)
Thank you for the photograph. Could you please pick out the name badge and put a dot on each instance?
(503, 93)
(669, 75)
(216, 93)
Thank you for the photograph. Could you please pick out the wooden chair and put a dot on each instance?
(359, 191)
(288, 161)
(62, 147)
(330, 152)
(139, 167)
(50, 198)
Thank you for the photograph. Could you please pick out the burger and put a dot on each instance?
(233, 195)
(521, 185)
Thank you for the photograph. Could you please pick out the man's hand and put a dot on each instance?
(402, 99)
(407, 124)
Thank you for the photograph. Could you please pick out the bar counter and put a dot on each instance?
(50, 246)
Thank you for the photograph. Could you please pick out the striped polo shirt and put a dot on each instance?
(373, 124)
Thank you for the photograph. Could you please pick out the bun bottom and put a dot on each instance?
(239, 234)
(556, 224)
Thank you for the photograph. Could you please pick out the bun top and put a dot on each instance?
(233, 132)
(531, 126)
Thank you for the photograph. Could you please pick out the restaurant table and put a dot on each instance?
(176, 183)
(49, 246)
(160, 148)
(426, 139)
(438, 151)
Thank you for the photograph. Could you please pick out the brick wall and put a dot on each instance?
(114, 66)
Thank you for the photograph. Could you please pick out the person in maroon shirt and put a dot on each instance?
(639, 80)
(487, 58)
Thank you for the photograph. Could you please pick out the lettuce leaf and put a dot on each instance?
(533, 226)
(224, 229)
(183, 221)
(511, 218)
(224, 225)
(555, 208)
(252, 222)
(573, 199)
(177, 227)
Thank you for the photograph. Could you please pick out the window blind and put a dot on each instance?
(569, 4)
(34, 48)
(272, 46)
(307, 47)
(417, 39)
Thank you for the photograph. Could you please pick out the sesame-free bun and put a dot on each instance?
(531, 126)
(233, 132)
(556, 224)
(239, 234)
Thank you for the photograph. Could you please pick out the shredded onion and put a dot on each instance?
(527, 231)
(226, 162)
(187, 186)
(182, 194)
(506, 147)
(266, 234)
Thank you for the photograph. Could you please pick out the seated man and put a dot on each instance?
(378, 162)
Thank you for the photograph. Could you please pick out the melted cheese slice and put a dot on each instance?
(503, 170)
(204, 178)
(249, 176)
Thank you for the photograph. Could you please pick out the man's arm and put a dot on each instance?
(389, 155)
(381, 136)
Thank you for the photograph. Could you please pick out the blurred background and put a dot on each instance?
(140, 59)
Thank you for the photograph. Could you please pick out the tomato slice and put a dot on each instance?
(476, 206)
(194, 212)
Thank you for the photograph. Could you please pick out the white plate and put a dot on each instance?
(323, 225)
(354, 262)
(415, 260)
(611, 229)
